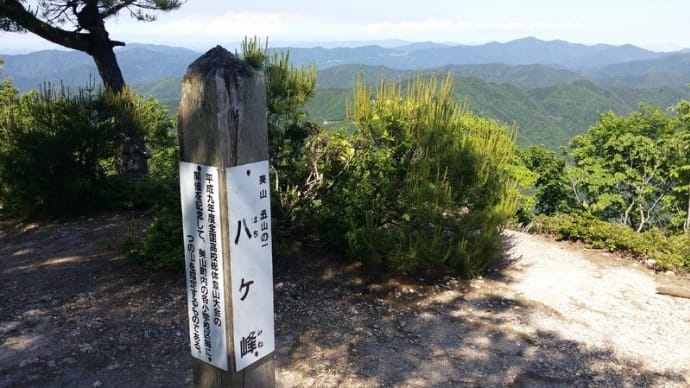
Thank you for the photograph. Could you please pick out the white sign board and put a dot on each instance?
(249, 208)
(204, 262)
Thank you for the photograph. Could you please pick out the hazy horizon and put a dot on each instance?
(656, 26)
(386, 43)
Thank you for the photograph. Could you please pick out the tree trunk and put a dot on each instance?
(108, 68)
(132, 155)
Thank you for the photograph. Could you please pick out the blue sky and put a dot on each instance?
(658, 25)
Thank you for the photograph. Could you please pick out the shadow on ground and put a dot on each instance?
(74, 313)
(336, 328)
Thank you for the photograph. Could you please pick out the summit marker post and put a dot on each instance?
(224, 188)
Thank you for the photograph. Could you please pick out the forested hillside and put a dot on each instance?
(140, 64)
(550, 90)
(549, 115)
(616, 129)
(523, 51)
(671, 71)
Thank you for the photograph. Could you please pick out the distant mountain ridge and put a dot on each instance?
(143, 63)
(139, 63)
(549, 115)
(551, 90)
(525, 51)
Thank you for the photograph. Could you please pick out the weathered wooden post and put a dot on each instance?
(226, 216)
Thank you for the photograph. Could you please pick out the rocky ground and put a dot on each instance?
(74, 312)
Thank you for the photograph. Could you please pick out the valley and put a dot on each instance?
(550, 90)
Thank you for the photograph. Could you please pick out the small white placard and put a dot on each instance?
(249, 209)
(199, 192)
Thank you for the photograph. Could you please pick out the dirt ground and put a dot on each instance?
(75, 313)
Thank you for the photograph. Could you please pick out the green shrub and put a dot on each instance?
(58, 152)
(162, 248)
(669, 251)
(55, 158)
(422, 184)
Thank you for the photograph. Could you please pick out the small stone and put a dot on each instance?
(51, 364)
(69, 360)
(670, 273)
(97, 384)
(650, 263)
(85, 348)
(6, 327)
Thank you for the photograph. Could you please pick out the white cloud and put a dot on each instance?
(225, 27)
(208, 22)
(437, 26)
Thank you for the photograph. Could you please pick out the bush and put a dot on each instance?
(669, 251)
(161, 247)
(58, 157)
(55, 159)
(422, 184)
(287, 90)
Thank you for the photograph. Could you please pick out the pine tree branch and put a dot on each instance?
(15, 11)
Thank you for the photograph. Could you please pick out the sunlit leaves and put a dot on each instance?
(623, 167)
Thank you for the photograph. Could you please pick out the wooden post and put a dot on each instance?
(222, 123)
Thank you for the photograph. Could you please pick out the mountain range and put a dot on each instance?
(625, 65)
(550, 89)
(525, 51)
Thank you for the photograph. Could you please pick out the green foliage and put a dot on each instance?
(630, 179)
(252, 53)
(162, 248)
(288, 88)
(55, 158)
(421, 184)
(552, 191)
(549, 106)
(549, 115)
(623, 166)
(670, 252)
(58, 157)
(679, 145)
